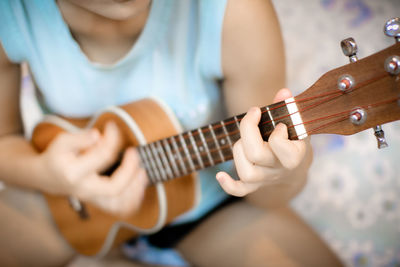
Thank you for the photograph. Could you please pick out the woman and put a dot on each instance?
(206, 60)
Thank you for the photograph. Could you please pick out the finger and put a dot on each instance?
(133, 195)
(290, 153)
(129, 200)
(96, 185)
(105, 153)
(252, 173)
(76, 142)
(282, 94)
(234, 187)
(255, 149)
(124, 174)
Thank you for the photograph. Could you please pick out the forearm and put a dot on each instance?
(276, 195)
(19, 163)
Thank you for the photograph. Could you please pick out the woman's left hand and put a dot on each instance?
(258, 162)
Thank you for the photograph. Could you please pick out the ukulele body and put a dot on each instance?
(141, 122)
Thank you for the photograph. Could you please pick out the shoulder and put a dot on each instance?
(7, 65)
(253, 61)
(15, 28)
(251, 35)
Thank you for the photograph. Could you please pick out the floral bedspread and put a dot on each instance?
(352, 198)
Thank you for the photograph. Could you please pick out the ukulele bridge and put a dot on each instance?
(79, 207)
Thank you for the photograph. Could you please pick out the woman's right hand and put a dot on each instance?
(73, 162)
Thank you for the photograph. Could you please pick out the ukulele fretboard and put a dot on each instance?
(206, 146)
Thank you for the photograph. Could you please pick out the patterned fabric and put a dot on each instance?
(144, 252)
(176, 58)
(352, 198)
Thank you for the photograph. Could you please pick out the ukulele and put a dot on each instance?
(346, 100)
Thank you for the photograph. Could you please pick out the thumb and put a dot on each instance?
(282, 94)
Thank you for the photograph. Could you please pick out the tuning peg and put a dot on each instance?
(349, 48)
(380, 137)
(392, 65)
(392, 28)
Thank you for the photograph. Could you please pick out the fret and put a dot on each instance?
(196, 149)
(171, 159)
(186, 150)
(223, 141)
(232, 128)
(203, 140)
(158, 162)
(237, 121)
(157, 176)
(211, 144)
(177, 155)
(216, 143)
(196, 164)
(270, 116)
(226, 134)
(144, 160)
(164, 160)
(202, 149)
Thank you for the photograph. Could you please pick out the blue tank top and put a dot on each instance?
(177, 58)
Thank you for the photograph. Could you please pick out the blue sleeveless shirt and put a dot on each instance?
(177, 58)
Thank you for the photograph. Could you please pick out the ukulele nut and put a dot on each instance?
(345, 83)
(358, 116)
(392, 65)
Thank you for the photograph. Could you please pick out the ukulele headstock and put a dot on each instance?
(362, 94)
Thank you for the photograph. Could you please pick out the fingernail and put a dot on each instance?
(220, 177)
(253, 110)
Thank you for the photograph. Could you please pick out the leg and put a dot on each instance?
(27, 235)
(243, 235)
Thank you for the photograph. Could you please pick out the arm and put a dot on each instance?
(63, 168)
(254, 70)
(12, 144)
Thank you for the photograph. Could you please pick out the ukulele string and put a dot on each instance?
(335, 90)
(185, 159)
(193, 157)
(232, 121)
(366, 107)
(280, 119)
(333, 95)
(283, 104)
(344, 115)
